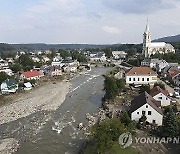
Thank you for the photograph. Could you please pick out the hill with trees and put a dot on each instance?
(170, 39)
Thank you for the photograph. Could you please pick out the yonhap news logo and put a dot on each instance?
(126, 139)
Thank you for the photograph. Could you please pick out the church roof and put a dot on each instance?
(158, 44)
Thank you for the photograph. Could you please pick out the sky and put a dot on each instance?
(86, 21)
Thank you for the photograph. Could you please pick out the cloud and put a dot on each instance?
(139, 6)
(112, 30)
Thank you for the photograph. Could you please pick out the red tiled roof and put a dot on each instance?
(30, 74)
(141, 71)
(156, 90)
(173, 73)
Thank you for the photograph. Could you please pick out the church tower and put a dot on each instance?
(146, 40)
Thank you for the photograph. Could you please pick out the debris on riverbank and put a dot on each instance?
(8, 146)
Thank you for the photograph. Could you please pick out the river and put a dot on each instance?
(56, 132)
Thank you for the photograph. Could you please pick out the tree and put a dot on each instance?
(26, 62)
(144, 88)
(104, 133)
(120, 84)
(108, 52)
(16, 67)
(170, 125)
(125, 119)
(110, 87)
(160, 84)
(3, 77)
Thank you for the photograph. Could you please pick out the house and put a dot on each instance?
(144, 104)
(172, 66)
(27, 86)
(99, 57)
(119, 55)
(9, 86)
(69, 62)
(45, 59)
(35, 59)
(52, 70)
(30, 75)
(140, 76)
(3, 63)
(150, 62)
(7, 70)
(160, 65)
(175, 76)
(160, 95)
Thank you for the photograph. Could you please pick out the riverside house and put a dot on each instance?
(141, 76)
(9, 86)
(144, 104)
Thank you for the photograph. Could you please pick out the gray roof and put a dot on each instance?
(145, 98)
(11, 82)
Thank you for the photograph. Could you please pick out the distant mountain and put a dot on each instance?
(170, 39)
(42, 46)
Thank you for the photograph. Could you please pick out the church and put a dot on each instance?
(151, 48)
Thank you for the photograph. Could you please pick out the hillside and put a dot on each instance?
(170, 39)
(42, 46)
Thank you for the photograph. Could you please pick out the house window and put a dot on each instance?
(146, 106)
(137, 112)
(166, 98)
(149, 112)
(143, 112)
(159, 97)
(154, 121)
(134, 79)
(129, 79)
(138, 79)
(147, 79)
(142, 79)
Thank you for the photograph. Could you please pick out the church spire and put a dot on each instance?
(147, 27)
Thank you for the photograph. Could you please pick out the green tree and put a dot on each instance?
(3, 77)
(26, 62)
(121, 84)
(160, 84)
(144, 88)
(16, 67)
(170, 125)
(125, 119)
(110, 87)
(104, 133)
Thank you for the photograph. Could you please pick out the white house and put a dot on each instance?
(144, 104)
(140, 76)
(3, 63)
(9, 86)
(176, 77)
(119, 54)
(99, 57)
(52, 70)
(150, 62)
(27, 86)
(161, 65)
(7, 71)
(160, 95)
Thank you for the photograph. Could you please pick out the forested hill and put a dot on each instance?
(170, 39)
(41, 46)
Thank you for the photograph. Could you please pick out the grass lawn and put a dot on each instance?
(116, 149)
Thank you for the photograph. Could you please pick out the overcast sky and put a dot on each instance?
(86, 21)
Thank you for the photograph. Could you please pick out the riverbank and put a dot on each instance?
(46, 98)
